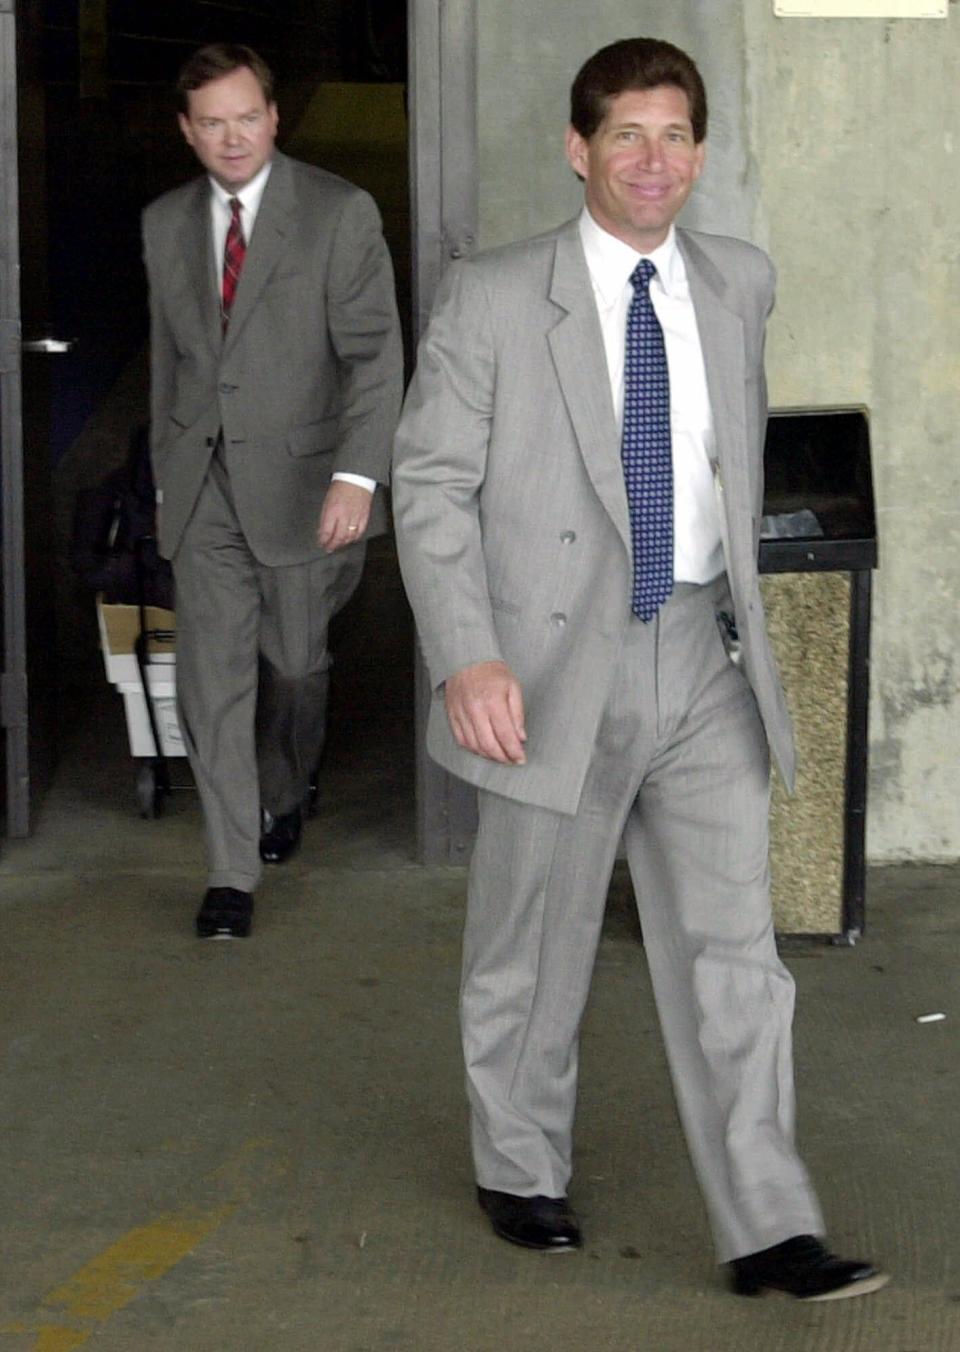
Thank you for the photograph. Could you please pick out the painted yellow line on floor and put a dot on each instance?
(59, 1340)
(114, 1278)
(117, 1276)
(51, 1338)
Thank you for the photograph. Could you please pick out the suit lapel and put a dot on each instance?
(576, 345)
(196, 254)
(722, 343)
(266, 247)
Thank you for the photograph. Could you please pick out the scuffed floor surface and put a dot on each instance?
(261, 1146)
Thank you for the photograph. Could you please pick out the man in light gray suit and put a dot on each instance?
(276, 383)
(578, 490)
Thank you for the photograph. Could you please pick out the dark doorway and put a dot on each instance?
(98, 141)
(112, 144)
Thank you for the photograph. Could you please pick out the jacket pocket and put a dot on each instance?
(312, 438)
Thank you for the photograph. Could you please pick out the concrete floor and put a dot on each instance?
(261, 1146)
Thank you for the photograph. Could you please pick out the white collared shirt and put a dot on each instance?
(697, 546)
(249, 198)
(221, 212)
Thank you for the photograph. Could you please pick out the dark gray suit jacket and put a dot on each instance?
(308, 379)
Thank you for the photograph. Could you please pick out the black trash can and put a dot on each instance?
(818, 549)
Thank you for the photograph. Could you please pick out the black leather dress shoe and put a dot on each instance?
(802, 1267)
(535, 1222)
(226, 913)
(279, 836)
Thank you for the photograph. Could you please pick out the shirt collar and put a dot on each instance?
(611, 262)
(249, 195)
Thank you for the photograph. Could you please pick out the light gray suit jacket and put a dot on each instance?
(308, 379)
(509, 499)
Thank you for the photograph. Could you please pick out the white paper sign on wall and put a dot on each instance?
(861, 9)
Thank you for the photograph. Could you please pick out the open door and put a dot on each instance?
(14, 704)
(30, 668)
(86, 111)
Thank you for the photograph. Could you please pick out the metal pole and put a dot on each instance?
(858, 704)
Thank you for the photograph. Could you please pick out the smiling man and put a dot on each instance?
(577, 492)
(276, 381)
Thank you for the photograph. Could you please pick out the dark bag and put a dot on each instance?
(113, 549)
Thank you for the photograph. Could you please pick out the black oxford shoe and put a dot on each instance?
(534, 1222)
(226, 913)
(802, 1267)
(279, 836)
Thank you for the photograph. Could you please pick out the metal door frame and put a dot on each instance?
(442, 86)
(13, 704)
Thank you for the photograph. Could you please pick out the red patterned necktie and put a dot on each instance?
(234, 252)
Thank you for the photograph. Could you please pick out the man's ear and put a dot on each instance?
(576, 148)
(185, 127)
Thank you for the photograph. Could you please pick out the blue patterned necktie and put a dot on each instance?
(645, 449)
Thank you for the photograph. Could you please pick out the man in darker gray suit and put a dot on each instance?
(578, 490)
(276, 382)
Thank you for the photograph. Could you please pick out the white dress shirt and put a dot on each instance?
(697, 545)
(250, 198)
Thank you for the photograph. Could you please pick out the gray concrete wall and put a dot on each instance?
(852, 123)
(832, 144)
(528, 57)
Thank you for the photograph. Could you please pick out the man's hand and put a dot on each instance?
(346, 512)
(485, 709)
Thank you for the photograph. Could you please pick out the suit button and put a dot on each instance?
(558, 619)
(224, 388)
(567, 537)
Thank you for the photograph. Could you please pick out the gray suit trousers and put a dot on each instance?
(252, 674)
(681, 771)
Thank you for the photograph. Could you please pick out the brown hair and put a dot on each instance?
(215, 61)
(634, 63)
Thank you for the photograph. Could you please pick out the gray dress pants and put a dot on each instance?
(252, 675)
(681, 772)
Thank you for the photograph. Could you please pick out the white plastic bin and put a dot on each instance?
(119, 627)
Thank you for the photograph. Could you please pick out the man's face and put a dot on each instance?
(640, 164)
(231, 127)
